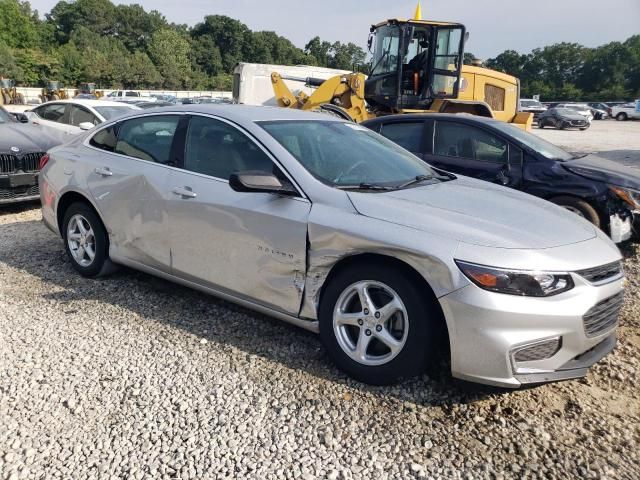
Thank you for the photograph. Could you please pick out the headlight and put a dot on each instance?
(516, 282)
(630, 197)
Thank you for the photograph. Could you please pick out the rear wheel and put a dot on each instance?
(621, 117)
(579, 207)
(377, 325)
(85, 240)
(541, 124)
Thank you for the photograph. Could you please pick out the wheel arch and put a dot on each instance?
(69, 198)
(604, 221)
(390, 262)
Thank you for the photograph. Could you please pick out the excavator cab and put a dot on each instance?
(413, 63)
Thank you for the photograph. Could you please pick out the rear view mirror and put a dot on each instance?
(85, 126)
(259, 181)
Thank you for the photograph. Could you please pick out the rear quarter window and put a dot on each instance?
(105, 139)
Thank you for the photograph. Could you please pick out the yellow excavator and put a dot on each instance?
(89, 89)
(416, 67)
(53, 91)
(9, 94)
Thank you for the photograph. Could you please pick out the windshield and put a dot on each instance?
(113, 111)
(385, 54)
(544, 148)
(345, 154)
(5, 117)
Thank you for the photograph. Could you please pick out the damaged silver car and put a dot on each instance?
(330, 226)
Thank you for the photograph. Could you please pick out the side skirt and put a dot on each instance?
(311, 325)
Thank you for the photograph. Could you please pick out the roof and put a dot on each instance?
(437, 23)
(245, 113)
(442, 116)
(91, 103)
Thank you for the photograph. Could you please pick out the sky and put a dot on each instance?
(494, 25)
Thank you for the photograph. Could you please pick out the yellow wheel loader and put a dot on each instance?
(9, 94)
(53, 91)
(416, 67)
(89, 89)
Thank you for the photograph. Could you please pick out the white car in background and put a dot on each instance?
(75, 116)
(626, 111)
(129, 96)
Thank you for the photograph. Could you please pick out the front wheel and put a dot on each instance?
(85, 240)
(377, 325)
(579, 207)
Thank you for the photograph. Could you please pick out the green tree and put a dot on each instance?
(18, 26)
(169, 51)
(9, 65)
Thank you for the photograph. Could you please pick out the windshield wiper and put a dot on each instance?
(417, 179)
(365, 186)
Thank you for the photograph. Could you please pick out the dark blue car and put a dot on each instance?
(602, 191)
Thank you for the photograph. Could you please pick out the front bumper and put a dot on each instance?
(487, 328)
(18, 188)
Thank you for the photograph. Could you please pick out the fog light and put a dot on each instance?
(537, 351)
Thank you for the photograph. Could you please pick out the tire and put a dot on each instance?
(563, 125)
(579, 207)
(541, 125)
(96, 237)
(621, 117)
(416, 326)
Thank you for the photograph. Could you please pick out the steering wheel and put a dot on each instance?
(351, 169)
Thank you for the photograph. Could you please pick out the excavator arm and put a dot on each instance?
(341, 93)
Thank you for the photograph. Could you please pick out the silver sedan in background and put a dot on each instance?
(327, 225)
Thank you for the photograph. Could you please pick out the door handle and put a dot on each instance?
(104, 171)
(184, 192)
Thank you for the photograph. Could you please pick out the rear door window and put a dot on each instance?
(465, 141)
(406, 134)
(148, 138)
(78, 115)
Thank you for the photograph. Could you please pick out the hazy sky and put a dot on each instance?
(494, 25)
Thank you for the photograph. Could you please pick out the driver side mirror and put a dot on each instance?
(85, 125)
(260, 181)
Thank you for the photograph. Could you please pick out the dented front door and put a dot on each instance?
(251, 245)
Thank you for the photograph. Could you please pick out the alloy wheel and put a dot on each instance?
(370, 322)
(81, 240)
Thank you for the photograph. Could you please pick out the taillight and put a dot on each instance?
(43, 161)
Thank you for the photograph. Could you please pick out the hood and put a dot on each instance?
(28, 138)
(477, 212)
(603, 170)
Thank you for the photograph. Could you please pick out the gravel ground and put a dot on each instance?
(134, 377)
(614, 140)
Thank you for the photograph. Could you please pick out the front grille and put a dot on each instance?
(579, 123)
(603, 316)
(9, 194)
(602, 273)
(7, 163)
(538, 351)
(29, 162)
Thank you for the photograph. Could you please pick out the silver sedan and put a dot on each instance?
(329, 226)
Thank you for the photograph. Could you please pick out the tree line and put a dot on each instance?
(569, 71)
(124, 46)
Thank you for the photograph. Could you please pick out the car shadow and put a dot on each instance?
(30, 247)
(13, 208)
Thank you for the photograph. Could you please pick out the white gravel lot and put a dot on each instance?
(614, 140)
(134, 377)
